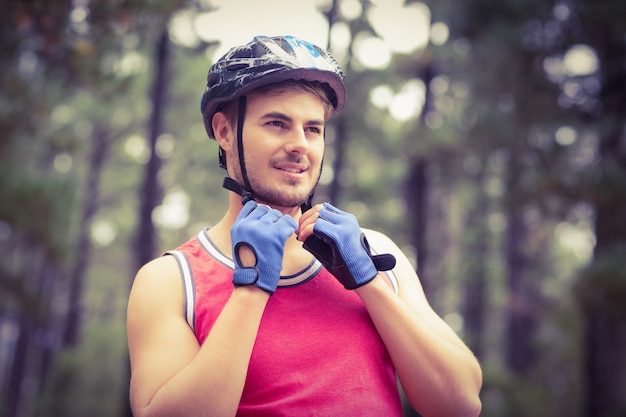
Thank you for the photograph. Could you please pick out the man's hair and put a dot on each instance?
(310, 87)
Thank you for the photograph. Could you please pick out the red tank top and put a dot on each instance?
(317, 352)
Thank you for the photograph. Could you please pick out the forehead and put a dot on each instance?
(289, 102)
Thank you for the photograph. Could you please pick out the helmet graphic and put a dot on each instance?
(267, 60)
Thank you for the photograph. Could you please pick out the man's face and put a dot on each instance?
(283, 142)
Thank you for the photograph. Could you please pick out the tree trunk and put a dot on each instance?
(605, 344)
(417, 188)
(34, 322)
(151, 193)
(340, 146)
(333, 190)
(97, 158)
(475, 287)
(417, 191)
(521, 320)
(605, 331)
(13, 394)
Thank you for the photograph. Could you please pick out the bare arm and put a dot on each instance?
(439, 374)
(171, 374)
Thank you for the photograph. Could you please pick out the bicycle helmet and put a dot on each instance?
(267, 60)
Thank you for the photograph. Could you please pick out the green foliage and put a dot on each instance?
(601, 285)
(40, 208)
(553, 386)
(71, 71)
(88, 381)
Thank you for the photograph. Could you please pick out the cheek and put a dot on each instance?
(316, 152)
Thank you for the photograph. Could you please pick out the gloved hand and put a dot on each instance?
(340, 245)
(264, 231)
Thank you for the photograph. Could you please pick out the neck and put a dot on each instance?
(220, 233)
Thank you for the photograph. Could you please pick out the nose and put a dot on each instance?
(297, 142)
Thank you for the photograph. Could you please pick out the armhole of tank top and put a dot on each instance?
(390, 275)
(393, 280)
(189, 289)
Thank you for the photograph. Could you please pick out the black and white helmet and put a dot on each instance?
(267, 60)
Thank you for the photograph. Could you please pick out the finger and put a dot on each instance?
(259, 212)
(304, 232)
(271, 216)
(331, 209)
(312, 212)
(310, 218)
(247, 209)
(288, 222)
(332, 214)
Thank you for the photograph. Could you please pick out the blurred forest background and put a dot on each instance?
(492, 149)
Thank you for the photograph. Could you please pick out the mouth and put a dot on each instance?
(291, 168)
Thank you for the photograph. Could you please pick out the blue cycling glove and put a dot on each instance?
(264, 231)
(340, 245)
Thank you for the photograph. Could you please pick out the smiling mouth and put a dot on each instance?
(292, 170)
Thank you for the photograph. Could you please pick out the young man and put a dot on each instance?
(282, 309)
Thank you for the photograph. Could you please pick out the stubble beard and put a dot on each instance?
(288, 195)
(282, 198)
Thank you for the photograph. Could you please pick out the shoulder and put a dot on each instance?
(376, 238)
(381, 243)
(156, 284)
(409, 286)
(155, 310)
(158, 273)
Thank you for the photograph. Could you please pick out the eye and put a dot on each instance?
(276, 123)
(314, 129)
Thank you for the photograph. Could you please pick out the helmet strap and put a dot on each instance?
(307, 204)
(241, 115)
(234, 186)
(221, 157)
(245, 190)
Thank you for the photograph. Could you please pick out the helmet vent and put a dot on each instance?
(240, 52)
(236, 67)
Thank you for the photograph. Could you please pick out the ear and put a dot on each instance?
(223, 130)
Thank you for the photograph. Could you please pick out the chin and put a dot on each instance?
(282, 200)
